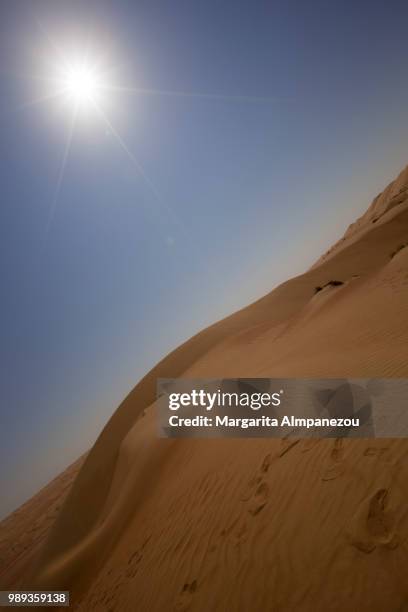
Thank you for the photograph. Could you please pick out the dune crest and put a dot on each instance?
(231, 524)
(385, 205)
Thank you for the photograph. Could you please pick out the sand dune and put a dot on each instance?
(260, 525)
(23, 532)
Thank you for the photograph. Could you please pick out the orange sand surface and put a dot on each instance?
(24, 530)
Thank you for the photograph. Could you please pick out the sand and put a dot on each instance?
(24, 530)
(262, 524)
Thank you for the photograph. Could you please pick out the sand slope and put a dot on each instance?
(256, 524)
(23, 532)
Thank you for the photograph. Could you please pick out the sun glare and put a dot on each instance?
(82, 84)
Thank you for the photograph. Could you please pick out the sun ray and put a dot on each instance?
(61, 173)
(41, 100)
(56, 49)
(126, 149)
(190, 94)
(160, 200)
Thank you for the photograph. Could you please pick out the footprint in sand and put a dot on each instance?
(257, 490)
(338, 450)
(266, 463)
(373, 524)
(135, 558)
(133, 563)
(379, 522)
(249, 489)
(336, 468)
(259, 500)
(372, 451)
(257, 479)
(241, 533)
(286, 446)
(185, 598)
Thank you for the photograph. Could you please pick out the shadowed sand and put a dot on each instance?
(256, 524)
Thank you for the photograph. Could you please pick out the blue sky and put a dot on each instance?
(304, 121)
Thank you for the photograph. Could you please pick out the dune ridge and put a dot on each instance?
(232, 524)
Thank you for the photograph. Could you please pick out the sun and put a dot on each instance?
(81, 84)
